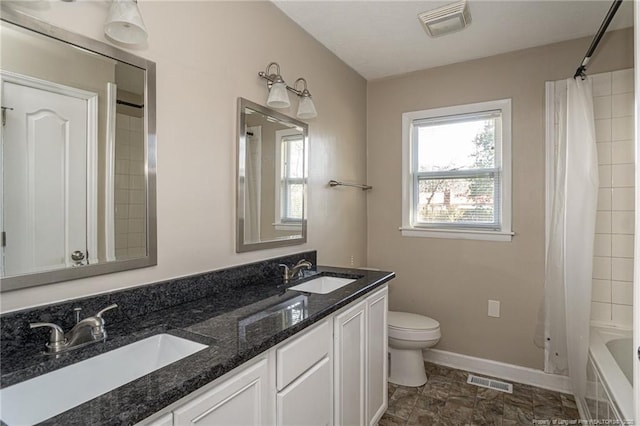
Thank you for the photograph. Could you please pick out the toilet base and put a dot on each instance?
(406, 367)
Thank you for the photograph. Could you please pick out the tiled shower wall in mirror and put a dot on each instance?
(612, 293)
(130, 198)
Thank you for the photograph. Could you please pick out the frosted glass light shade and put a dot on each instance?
(306, 108)
(278, 97)
(124, 23)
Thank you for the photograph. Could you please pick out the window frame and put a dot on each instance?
(410, 179)
(282, 222)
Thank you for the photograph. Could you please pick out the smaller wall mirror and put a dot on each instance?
(272, 179)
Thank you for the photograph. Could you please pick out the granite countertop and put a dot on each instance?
(230, 324)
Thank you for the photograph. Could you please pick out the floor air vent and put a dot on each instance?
(490, 383)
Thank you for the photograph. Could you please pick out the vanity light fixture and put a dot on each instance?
(278, 97)
(306, 108)
(124, 23)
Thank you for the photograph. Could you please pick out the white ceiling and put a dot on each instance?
(384, 38)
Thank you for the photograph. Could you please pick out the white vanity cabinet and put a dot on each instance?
(332, 373)
(303, 378)
(360, 361)
(241, 400)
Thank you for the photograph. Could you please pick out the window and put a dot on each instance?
(290, 179)
(457, 172)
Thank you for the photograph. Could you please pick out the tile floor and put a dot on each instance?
(447, 399)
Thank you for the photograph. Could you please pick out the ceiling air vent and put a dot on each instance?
(446, 19)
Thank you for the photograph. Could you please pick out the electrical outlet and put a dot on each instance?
(352, 261)
(494, 308)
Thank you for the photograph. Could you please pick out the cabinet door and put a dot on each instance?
(350, 329)
(241, 400)
(166, 420)
(377, 356)
(307, 401)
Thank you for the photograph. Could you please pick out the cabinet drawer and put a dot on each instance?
(297, 356)
(307, 401)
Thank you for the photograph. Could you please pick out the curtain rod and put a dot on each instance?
(119, 102)
(580, 72)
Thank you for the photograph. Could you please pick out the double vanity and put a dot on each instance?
(234, 346)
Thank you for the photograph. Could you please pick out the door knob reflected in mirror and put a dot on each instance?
(78, 257)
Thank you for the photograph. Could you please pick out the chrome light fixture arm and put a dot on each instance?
(304, 92)
(273, 78)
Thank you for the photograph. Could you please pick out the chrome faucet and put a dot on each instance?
(89, 330)
(293, 272)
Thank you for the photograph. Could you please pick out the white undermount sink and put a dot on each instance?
(45, 396)
(322, 285)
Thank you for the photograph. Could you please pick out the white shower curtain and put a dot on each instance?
(571, 234)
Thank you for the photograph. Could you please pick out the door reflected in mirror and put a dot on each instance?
(272, 178)
(77, 147)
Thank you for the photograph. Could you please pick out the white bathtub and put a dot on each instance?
(609, 374)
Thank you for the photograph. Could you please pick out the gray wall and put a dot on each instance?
(452, 280)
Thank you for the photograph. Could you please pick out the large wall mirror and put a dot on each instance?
(78, 156)
(272, 178)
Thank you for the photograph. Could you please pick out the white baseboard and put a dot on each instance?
(515, 373)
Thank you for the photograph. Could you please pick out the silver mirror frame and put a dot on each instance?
(241, 246)
(36, 279)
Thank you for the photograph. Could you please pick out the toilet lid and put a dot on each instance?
(409, 321)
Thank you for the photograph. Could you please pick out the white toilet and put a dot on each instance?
(409, 334)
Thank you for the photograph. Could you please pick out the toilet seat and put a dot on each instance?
(408, 326)
(409, 321)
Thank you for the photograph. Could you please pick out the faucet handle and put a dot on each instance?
(108, 308)
(56, 339)
(286, 267)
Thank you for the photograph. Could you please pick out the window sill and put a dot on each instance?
(287, 226)
(457, 234)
